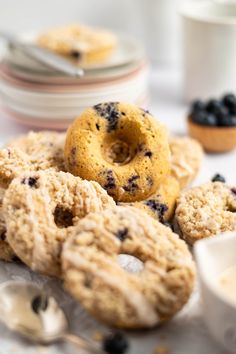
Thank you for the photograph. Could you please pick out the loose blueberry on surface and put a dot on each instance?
(115, 343)
(218, 178)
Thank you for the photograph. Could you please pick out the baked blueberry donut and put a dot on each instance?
(120, 146)
(31, 152)
(186, 159)
(206, 211)
(124, 298)
(41, 209)
(161, 204)
(83, 44)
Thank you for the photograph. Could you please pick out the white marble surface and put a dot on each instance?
(186, 333)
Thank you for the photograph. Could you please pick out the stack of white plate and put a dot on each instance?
(38, 96)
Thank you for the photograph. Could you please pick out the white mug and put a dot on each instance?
(160, 29)
(209, 48)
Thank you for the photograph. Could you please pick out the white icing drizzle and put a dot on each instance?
(144, 310)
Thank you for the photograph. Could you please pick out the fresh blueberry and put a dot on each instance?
(197, 106)
(199, 117)
(232, 110)
(213, 106)
(115, 343)
(204, 118)
(211, 120)
(223, 110)
(223, 116)
(229, 101)
(225, 121)
(233, 120)
(218, 178)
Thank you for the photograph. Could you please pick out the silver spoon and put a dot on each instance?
(43, 56)
(26, 309)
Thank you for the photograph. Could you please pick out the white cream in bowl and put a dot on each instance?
(209, 48)
(227, 284)
(216, 264)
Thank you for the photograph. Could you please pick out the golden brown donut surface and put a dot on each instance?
(120, 146)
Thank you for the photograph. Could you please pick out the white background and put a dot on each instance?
(154, 22)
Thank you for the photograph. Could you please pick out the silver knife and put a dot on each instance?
(44, 56)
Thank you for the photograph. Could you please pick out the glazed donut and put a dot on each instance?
(120, 146)
(161, 204)
(206, 211)
(31, 152)
(93, 275)
(41, 209)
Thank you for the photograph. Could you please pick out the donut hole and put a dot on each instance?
(118, 151)
(130, 264)
(63, 217)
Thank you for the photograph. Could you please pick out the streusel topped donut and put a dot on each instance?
(186, 159)
(119, 297)
(41, 210)
(207, 210)
(32, 152)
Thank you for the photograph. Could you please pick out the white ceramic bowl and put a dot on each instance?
(209, 48)
(214, 256)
